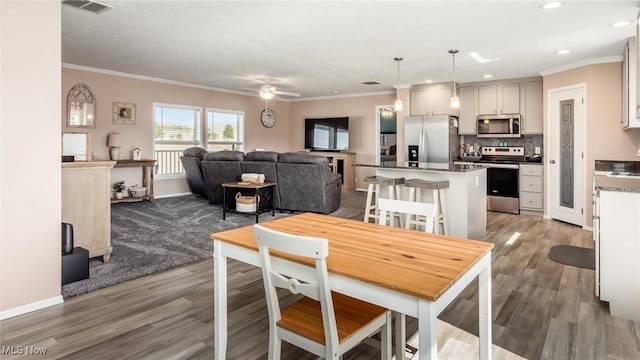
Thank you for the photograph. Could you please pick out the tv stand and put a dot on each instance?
(342, 163)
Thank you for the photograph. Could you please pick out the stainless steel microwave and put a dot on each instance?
(499, 126)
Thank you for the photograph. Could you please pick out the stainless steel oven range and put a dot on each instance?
(503, 166)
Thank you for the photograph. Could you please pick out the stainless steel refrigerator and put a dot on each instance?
(436, 138)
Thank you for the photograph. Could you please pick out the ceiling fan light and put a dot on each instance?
(398, 105)
(266, 94)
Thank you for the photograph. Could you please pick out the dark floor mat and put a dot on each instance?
(574, 256)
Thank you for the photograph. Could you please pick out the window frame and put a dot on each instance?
(240, 145)
(204, 128)
(200, 138)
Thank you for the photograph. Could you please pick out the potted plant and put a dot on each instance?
(119, 188)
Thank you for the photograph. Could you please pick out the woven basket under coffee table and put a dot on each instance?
(231, 189)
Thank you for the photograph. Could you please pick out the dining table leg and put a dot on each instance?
(484, 303)
(219, 301)
(427, 331)
(400, 334)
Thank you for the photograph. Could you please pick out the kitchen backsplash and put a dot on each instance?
(530, 142)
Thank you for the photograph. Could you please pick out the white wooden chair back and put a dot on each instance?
(407, 208)
(317, 288)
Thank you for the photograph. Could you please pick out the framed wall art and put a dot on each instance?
(124, 113)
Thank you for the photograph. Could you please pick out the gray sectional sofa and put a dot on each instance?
(304, 181)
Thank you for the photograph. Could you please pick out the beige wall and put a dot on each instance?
(110, 88)
(30, 214)
(362, 130)
(605, 138)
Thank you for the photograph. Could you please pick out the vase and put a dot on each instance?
(119, 195)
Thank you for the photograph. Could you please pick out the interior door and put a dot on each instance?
(565, 157)
(386, 123)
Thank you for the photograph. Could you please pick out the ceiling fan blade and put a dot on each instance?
(286, 93)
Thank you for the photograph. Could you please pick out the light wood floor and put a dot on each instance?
(541, 310)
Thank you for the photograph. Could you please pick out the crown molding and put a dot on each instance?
(575, 65)
(154, 79)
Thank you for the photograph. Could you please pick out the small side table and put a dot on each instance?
(259, 191)
(147, 178)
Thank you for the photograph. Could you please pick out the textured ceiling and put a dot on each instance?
(318, 48)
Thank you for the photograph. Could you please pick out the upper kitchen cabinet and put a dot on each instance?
(499, 99)
(432, 100)
(531, 108)
(629, 86)
(468, 110)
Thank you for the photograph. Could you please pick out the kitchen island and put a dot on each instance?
(465, 199)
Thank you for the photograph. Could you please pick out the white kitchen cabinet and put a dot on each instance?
(629, 86)
(467, 120)
(432, 100)
(531, 108)
(499, 99)
(531, 190)
(618, 251)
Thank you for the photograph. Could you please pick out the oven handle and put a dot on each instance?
(502, 166)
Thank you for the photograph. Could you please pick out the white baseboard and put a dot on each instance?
(171, 195)
(38, 305)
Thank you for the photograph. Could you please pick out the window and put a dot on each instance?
(225, 130)
(175, 128)
(178, 127)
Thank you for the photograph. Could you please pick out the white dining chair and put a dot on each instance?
(408, 209)
(323, 322)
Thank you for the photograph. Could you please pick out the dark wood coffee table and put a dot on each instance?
(259, 192)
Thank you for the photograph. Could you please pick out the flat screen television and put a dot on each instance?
(327, 134)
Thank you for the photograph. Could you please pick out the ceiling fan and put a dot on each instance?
(268, 91)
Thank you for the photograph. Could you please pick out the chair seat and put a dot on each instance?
(305, 317)
(383, 180)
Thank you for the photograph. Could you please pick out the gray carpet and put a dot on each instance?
(150, 237)
(574, 256)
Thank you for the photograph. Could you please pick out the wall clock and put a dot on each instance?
(268, 118)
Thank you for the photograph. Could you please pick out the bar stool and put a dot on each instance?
(415, 186)
(395, 192)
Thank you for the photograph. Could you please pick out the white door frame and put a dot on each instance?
(578, 216)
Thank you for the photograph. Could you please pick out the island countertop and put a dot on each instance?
(423, 166)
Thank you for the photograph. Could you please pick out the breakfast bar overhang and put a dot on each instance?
(466, 197)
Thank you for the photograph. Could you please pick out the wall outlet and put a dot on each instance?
(536, 151)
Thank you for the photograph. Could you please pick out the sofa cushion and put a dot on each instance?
(225, 155)
(270, 156)
(196, 152)
(302, 158)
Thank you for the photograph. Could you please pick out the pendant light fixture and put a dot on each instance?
(455, 100)
(398, 104)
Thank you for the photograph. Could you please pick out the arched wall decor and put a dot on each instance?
(81, 107)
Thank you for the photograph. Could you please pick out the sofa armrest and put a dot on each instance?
(333, 178)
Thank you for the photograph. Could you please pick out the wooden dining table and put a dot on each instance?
(408, 271)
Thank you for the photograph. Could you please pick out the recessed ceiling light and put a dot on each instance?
(487, 76)
(620, 24)
(563, 52)
(551, 5)
(428, 81)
